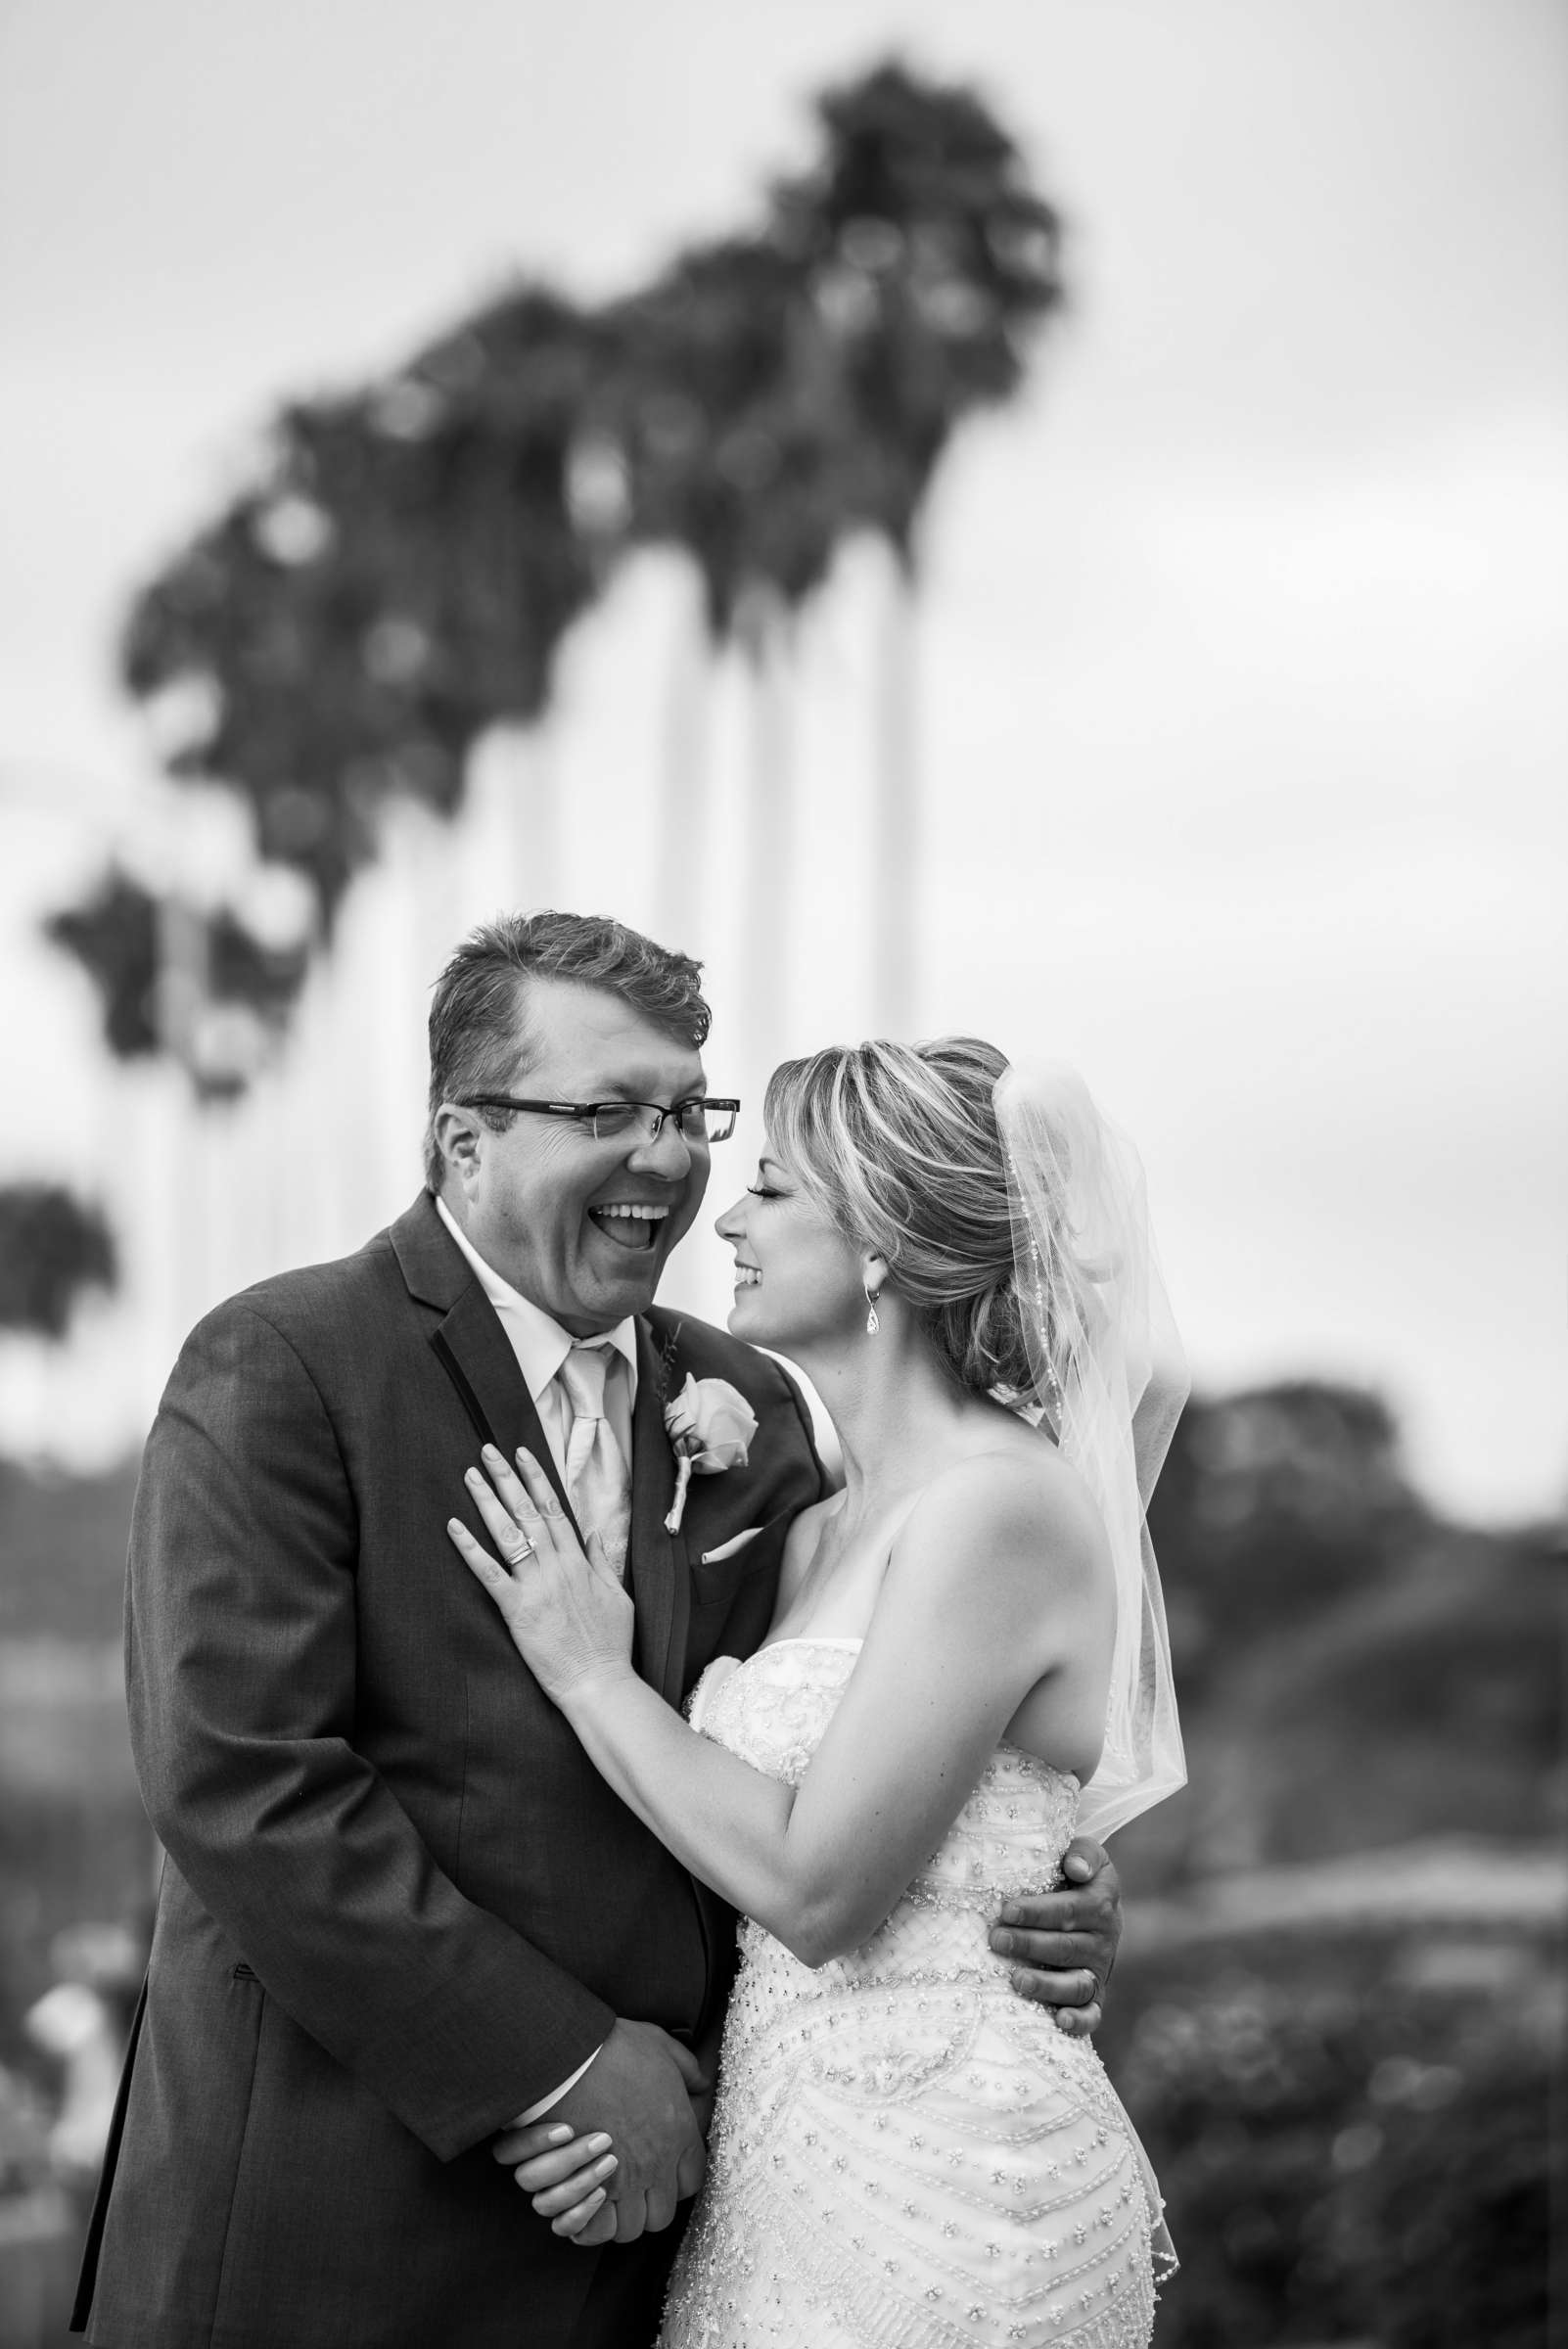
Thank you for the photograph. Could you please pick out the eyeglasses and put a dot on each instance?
(612, 1121)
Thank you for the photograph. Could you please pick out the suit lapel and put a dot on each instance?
(470, 1342)
(660, 1582)
(476, 1355)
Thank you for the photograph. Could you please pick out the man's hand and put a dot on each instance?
(638, 2091)
(1064, 1942)
(565, 2177)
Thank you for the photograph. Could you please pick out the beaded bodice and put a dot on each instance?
(905, 2153)
(1008, 1838)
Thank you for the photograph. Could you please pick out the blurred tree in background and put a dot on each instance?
(171, 978)
(1353, 1670)
(1306, 1477)
(399, 581)
(400, 576)
(1340, 2003)
(930, 260)
(52, 1250)
(1350, 2152)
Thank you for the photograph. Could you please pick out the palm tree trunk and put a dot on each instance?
(896, 815)
(526, 756)
(770, 883)
(682, 855)
(507, 842)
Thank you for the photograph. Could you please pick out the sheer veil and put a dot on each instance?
(1110, 1383)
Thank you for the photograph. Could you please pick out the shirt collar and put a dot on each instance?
(541, 1344)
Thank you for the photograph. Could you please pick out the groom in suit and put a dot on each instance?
(399, 1910)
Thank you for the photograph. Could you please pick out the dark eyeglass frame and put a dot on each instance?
(588, 1112)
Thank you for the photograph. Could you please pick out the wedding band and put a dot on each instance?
(516, 1557)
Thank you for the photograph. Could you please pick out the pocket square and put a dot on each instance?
(727, 1549)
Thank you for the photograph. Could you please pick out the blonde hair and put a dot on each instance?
(898, 1144)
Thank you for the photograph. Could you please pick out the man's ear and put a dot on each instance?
(460, 1140)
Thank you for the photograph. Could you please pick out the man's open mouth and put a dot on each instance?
(632, 1224)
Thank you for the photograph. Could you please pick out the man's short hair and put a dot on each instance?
(478, 1039)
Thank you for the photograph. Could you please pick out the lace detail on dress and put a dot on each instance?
(904, 2153)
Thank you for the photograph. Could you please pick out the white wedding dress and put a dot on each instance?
(906, 2154)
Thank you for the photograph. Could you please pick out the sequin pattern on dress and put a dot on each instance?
(906, 2154)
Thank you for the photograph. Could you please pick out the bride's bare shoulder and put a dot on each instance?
(1010, 1501)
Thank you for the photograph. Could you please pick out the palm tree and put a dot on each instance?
(201, 987)
(398, 580)
(928, 258)
(503, 564)
(397, 583)
(730, 454)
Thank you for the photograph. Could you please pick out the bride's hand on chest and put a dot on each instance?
(568, 1615)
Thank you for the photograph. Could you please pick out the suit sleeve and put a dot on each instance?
(241, 1635)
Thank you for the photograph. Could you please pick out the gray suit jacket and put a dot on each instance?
(398, 1903)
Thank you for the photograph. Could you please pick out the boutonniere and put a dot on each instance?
(711, 1426)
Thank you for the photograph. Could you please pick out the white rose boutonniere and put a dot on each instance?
(711, 1426)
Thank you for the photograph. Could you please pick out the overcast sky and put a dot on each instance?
(1242, 722)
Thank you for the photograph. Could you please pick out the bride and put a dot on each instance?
(967, 1665)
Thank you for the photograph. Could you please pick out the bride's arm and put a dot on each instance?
(990, 1582)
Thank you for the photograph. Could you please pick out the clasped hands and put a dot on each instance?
(1062, 1944)
(622, 2146)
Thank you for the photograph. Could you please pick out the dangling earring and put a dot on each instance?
(873, 1325)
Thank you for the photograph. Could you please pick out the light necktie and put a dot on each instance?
(598, 1480)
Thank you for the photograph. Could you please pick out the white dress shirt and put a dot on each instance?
(541, 1346)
